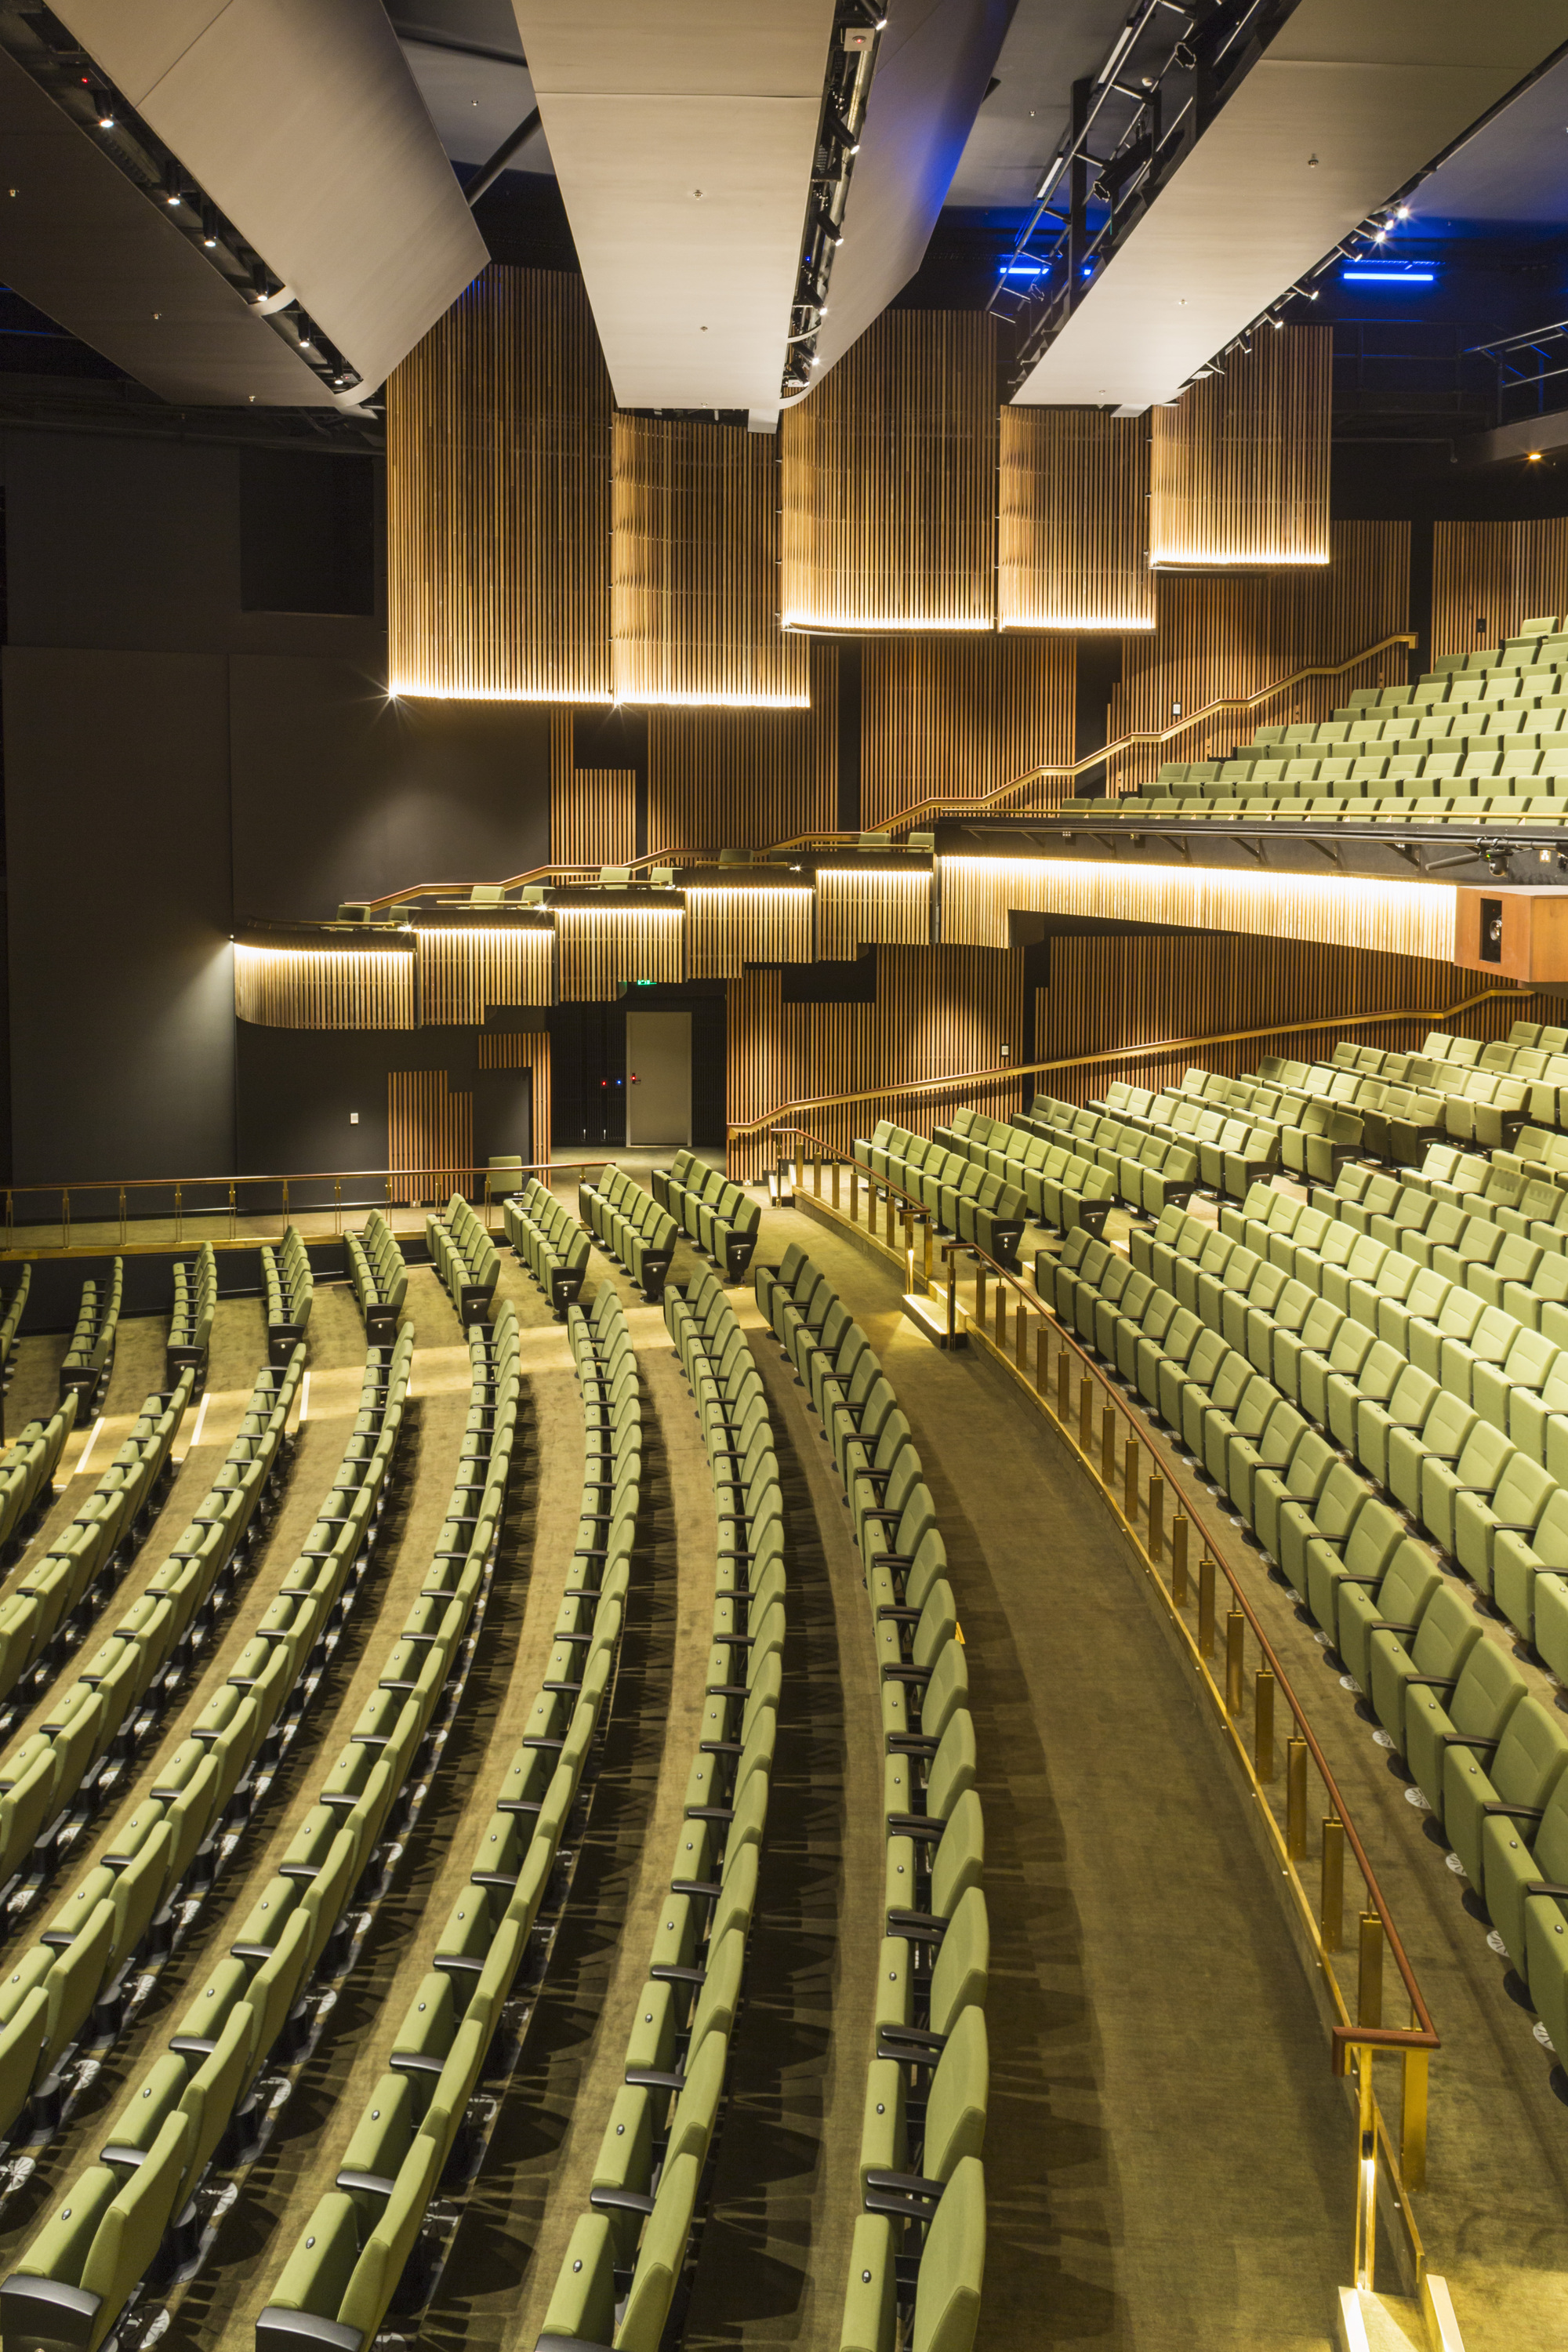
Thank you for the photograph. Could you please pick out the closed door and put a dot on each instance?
(659, 1078)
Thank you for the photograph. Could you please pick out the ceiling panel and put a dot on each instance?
(1347, 104)
(475, 102)
(1050, 45)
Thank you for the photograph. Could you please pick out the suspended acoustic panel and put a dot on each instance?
(694, 568)
(1239, 466)
(1230, 638)
(1337, 911)
(745, 779)
(325, 988)
(463, 972)
(953, 719)
(860, 907)
(429, 1135)
(889, 472)
(730, 924)
(1489, 578)
(604, 947)
(938, 1012)
(594, 817)
(1072, 521)
(498, 506)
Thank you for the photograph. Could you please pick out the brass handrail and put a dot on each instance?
(1004, 1073)
(911, 817)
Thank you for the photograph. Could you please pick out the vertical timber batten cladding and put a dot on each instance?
(1109, 994)
(858, 906)
(325, 988)
(462, 973)
(745, 779)
(1234, 636)
(429, 1133)
(694, 594)
(889, 476)
(592, 811)
(1072, 521)
(1239, 466)
(603, 946)
(953, 718)
(523, 1049)
(1489, 578)
(937, 1012)
(730, 924)
(498, 499)
(1411, 918)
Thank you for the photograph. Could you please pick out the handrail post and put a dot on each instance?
(1263, 1722)
(952, 1298)
(1156, 1517)
(1296, 1797)
(338, 1207)
(1413, 2120)
(1107, 1446)
(233, 1212)
(1369, 1975)
(1331, 1908)
(1179, 1561)
(65, 1219)
(1365, 2252)
(1130, 1483)
(179, 1214)
(122, 1213)
(1085, 1414)
(1234, 1660)
(1205, 1604)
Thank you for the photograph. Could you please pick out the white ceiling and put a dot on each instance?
(303, 125)
(1371, 94)
(475, 103)
(1050, 45)
(1514, 170)
(683, 139)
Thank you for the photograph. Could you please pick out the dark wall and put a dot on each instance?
(190, 741)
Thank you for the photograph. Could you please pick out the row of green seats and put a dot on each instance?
(630, 1226)
(1489, 1240)
(715, 1212)
(51, 1606)
(89, 1352)
(191, 1317)
(964, 1197)
(1332, 1506)
(1061, 1186)
(379, 1274)
(624, 2274)
(101, 2249)
(12, 1310)
(288, 1286)
(465, 1257)
(549, 1241)
(918, 2255)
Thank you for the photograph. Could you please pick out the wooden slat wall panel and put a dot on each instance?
(956, 718)
(1239, 466)
(937, 1011)
(888, 475)
(323, 988)
(1107, 994)
(429, 1133)
(857, 909)
(523, 1049)
(594, 817)
(462, 972)
(694, 599)
(1072, 530)
(745, 779)
(603, 946)
(497, 498)
(1236, 637)
(1489, 578)
(1413, 919)
(728, 927)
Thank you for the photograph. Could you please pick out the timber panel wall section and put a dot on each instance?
(937, 1010)
(1218, 638)
(745, 779)
(953, 719)
(729, 926)
(429, 1134)
(594, 817)
(1107, 994)
(694, 601)
(888, 475)
(523, 1049)
(325, 988)
(1072, 530)
(1489, 578)
(601, 946)
(1239, 466)
(497, 498)
(463, 972)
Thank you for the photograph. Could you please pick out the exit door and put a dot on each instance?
(659, 1078)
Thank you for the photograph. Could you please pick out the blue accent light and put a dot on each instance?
(1391, 275)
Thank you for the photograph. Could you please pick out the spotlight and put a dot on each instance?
(105, 114)
(1497, 861)
(1532, 457)
(1403, 212)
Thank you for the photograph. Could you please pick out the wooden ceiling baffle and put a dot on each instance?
(1239, 466)
(1072, 543)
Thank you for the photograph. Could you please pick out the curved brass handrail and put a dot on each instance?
(1006, 1073)
(565, 875)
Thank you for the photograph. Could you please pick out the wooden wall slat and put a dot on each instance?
(523, 1049)
(888, 480)
(325, 988)
(463, 972)
(594, 817)
(694, 597)
(745, 779)
(1239, 466)
(856, 908)
(1215, 637)
(1405, 918)
(729, 926)
(498, 498)
(1490, 578)
(602, 947)
(429, 1133)
(1073, 527)
(956, 718)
